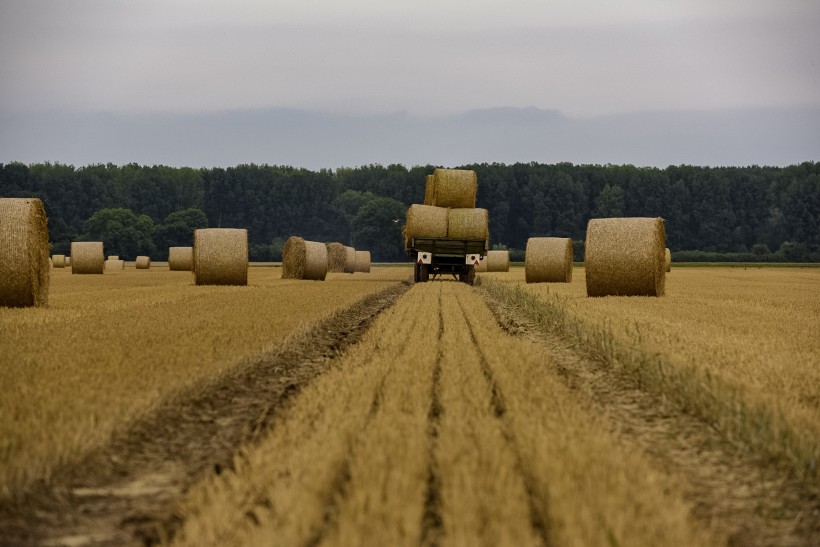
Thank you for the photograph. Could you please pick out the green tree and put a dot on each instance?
(610, 202)
(377, 228)
(122, 232)
(178, 229)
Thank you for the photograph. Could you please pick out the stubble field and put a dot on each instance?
(437, 414)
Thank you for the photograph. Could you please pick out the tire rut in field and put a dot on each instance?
(741, 497)
(125, 492)
(537, 522)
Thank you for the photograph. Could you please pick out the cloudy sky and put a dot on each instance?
(328, 83)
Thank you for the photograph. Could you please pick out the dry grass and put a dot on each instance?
(181, 259)
(625, 256)
(548, 260)
(87, 257)
(24, 250)
(468, 224)
(438, 428)
(97, 327)
(736, 347)
(221, 256)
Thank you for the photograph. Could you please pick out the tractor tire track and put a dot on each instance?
(125, 493)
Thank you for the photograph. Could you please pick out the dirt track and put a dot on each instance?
(124, 494)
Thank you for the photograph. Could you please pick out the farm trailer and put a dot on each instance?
(435, 257)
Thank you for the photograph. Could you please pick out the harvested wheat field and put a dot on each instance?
(368, 411)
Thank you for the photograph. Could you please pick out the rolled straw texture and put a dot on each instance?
(113, 257)
(143, 262)
(455, 188)
(468, 224)
(668, 259)
(114, 265)
(67, 261)
(24, 250)
(350, 260)
(221, 256)
(58, 261)
(429, 190)
(87, 257)
(181, 259)
(304, 259)
(625, 257)
(548, 260)
(336, 256)
(425, 221)
(363, 261)
(498, 261)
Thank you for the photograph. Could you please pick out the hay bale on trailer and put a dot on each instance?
(143, 262)
(668, 257)
(363, 261)
(220, 256)
(87, 257)
(181, 259)
(429, 189)
(336, 257)
(350, 260)
(426, 221)
(58, 261)
(24, 250)
(498, 261)
(304, 259)
(625, 257)
(468, 224)
(548, 260)
(456, 188)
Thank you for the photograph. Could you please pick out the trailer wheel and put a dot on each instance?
(468, 275)
(416, 273)
(424, 273)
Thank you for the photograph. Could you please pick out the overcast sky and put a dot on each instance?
(425, 59)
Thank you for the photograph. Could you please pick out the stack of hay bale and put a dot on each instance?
(113, 263)
(449, 209)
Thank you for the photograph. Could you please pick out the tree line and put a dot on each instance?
(768, 213)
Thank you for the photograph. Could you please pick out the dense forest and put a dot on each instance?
(765, 213)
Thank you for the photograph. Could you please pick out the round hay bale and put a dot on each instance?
(363, 261)
(429, 190)
(113, 257)
(24, 250)
(350, 260)
(58, 261)
(468, 224)
(114, 265)
(425, 221)
(220, 256)
(143, 262)
(455, 188)
(336, 257)
(498, 261)
(482, 265)
(87, 257)
(67, 261)
(668, 257)
(304, 259)
(181, 259)
(625, 257)
(548, 260)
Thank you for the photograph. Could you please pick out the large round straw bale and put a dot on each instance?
(498, 261)
(455, 188)
(87, 257)
(221, 256)
(143, 262)
(429, 189)
(625, 256)
(304, 259)
(668, 257)
(426, 221)
(468, 224)
(114, 265)
(58, 261)
(67, 261)
(363, 261)
(181, 259)
(24, 250)
(350, 260)
(548, 260)
(113, 257)
(336, 257)
(482, 265)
